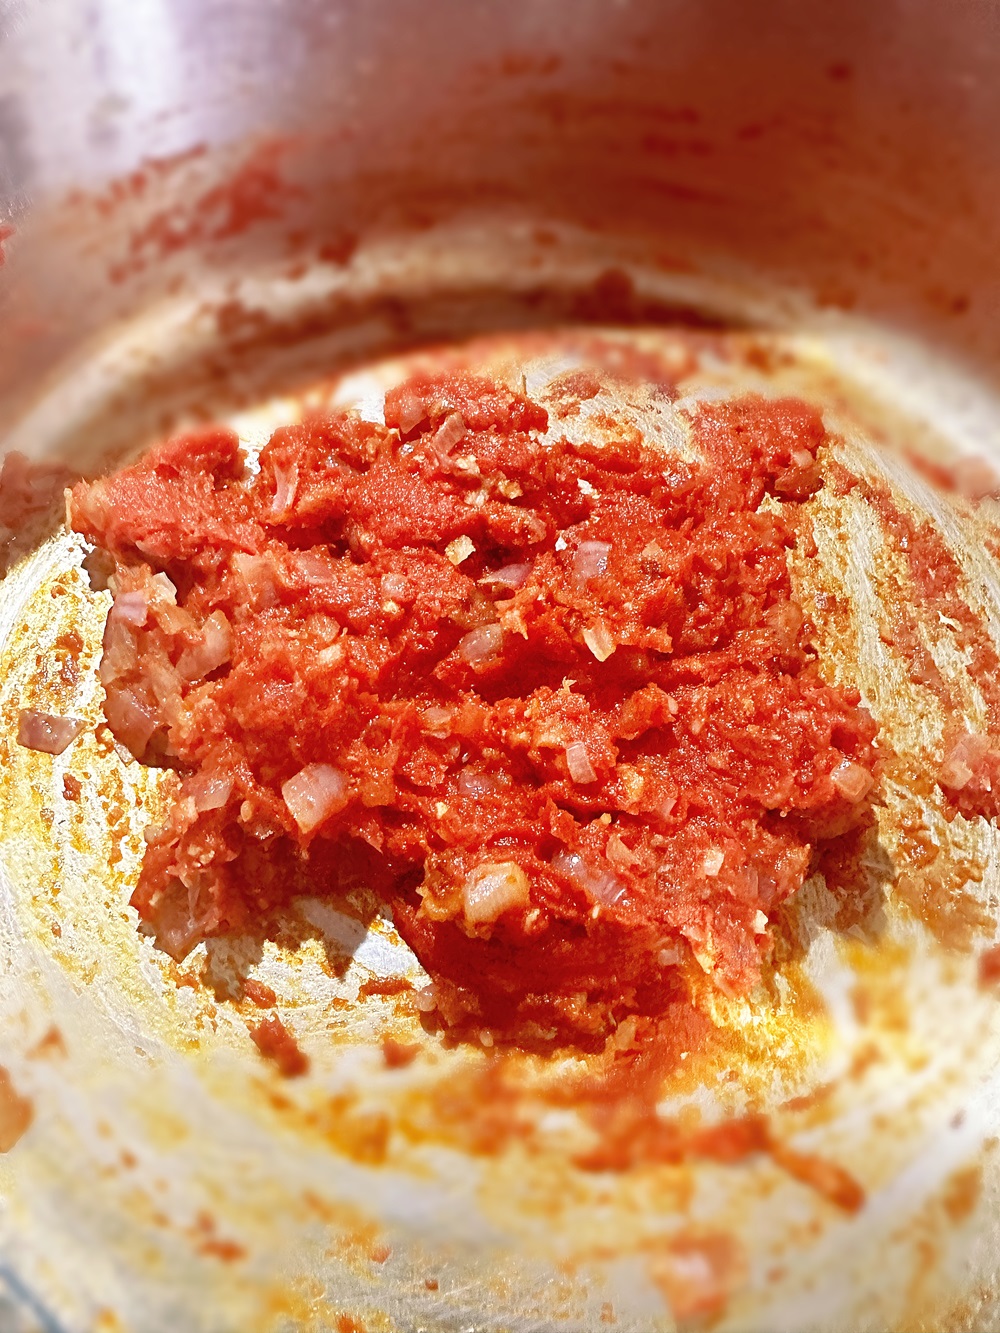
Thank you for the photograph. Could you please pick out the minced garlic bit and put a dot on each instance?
(632, 781)
(712, 863)
(760, 923)
(466, 464)
(493, 889)
(599, 641)
(460, 549)
(513, 622)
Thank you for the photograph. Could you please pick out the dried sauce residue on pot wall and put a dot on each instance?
(16, 1113)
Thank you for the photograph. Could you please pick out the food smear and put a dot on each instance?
(553, 701)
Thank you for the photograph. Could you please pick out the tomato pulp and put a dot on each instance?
(555, 702)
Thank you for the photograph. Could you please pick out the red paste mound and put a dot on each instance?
(554, 702)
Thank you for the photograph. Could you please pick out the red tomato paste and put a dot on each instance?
(554, 702)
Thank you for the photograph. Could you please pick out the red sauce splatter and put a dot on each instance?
(698, 1274)
(825, 1177)
(16, 1113)
(554, 701)
(209, 1244)
(634, 1135)
(971, 477)
(255, 192)
(385, 986)
(937, 590)
(49, 1045)
(398, 1054)
(259, 994)
(276, 1043)
(30, 496)
(229, 1251)
(989, 967)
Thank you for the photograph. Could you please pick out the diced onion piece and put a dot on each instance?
(955, 775)
(712, 862)
(120, 650)
(852, 781)
(450, 431)
(394, 586)
(213, 651)
(260, 577)
(410, 408)
(492, 889)
(44, 732)
(620, 853)
(601, 885)
(508, 576)
(670, 955)
(476, 785)
(286, 485)
(480, 645)
(437, 720)
(598, 639)
(132, 717)
(760, 923)
(963, 760)
(162, 676)
(210, 793)
(460, 549)
(581, 770)
(131, 607)
(163, 589)
(314, 794)
(313, 567)
(590, 560)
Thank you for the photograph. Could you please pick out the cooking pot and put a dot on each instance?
(217, 203)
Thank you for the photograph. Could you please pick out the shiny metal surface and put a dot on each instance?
(333, 181)
(848, 152)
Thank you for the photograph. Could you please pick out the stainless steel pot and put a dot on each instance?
(217, 202)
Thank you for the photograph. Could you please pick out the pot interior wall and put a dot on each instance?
(845, 154)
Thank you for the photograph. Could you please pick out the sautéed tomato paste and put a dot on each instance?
(554, 701)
